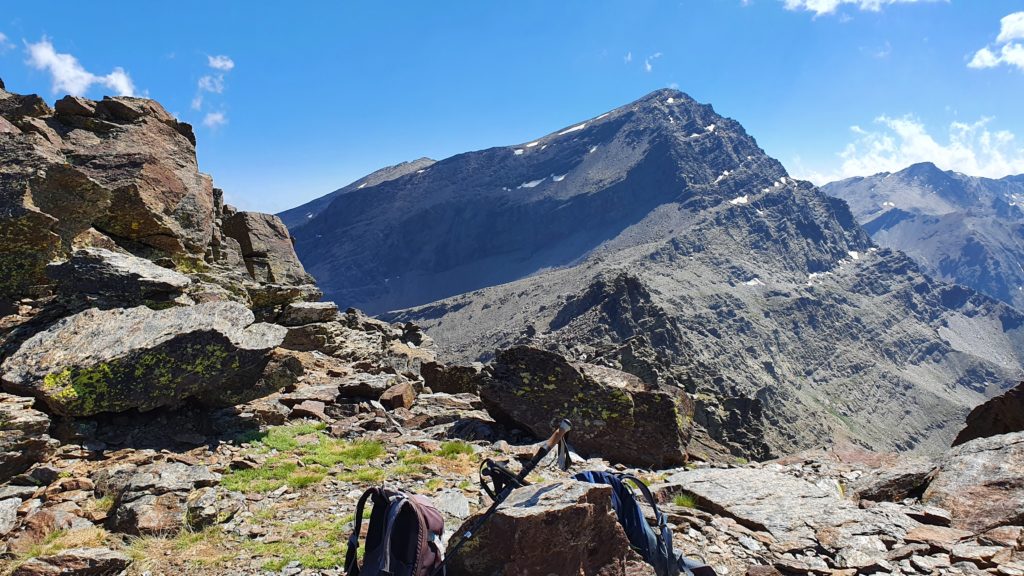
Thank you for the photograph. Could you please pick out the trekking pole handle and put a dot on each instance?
(563, 428)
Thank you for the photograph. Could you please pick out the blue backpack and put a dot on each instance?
(655, 545)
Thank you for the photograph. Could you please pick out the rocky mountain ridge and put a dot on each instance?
(958, 228)
(661, 240)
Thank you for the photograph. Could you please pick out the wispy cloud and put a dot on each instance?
(213, 83)
(1006, 51)
(5, 44)
(69, 76)
(649, 61)
(222, 63)
(822, 7)
(895, 143)
(628, 57)
(215, 119)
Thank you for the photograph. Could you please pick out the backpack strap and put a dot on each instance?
(351, 565)
(394, 508)
(663, 533)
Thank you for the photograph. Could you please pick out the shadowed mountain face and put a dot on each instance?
(661, 240)
(958, 228)
(489, 217)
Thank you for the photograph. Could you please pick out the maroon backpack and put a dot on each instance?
(403, 538)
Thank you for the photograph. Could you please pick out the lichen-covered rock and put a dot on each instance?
(23, 436)
(981, 483)
(116, 278)
(574, 519)
(450, 379)
(614, 414)
(115, 360)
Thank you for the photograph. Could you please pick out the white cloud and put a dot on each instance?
(648, 62)
(215, 119)
(69, 76)
(221, 62)
(971, 148)
(1010, 53)
(211, 83)
(628, 57)
(821, 7)
(1011, 27)
(5, 44)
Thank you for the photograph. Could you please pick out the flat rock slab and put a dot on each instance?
(122, 278)
(795, 510)
(76, 562)
(981, 483)
(137, 358)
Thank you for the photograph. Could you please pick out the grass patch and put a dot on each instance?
(305, 455)
(452, 450)
(367, 475)
(329, 452)
(684, 500)
(314, 544)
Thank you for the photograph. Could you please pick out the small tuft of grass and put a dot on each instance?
(451, 450)
(367, 475)
(684, 500)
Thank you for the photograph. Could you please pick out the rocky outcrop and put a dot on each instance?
(981, 483)
(615, 415)
(266, 248)
(120, 174)
(156, 499)
(1001, 415)
(23, 436)
(115, 360)
(576, 518)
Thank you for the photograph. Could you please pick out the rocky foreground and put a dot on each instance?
(177, 401)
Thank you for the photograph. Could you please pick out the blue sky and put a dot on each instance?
(291, 101)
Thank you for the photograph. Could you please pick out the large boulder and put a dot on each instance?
(1000, 415)
(981, 483)
(267, 248)
(614, 415)
(137, 358)
(117, 278)
(564, 527)
(23, 436)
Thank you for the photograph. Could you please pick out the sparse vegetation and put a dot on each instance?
(452, 450)
(684, 500)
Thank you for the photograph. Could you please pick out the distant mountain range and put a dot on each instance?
(660, 239)
(958, 228)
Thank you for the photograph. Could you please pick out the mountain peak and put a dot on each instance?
(923, 169)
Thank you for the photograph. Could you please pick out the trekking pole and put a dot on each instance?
(520, 480)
